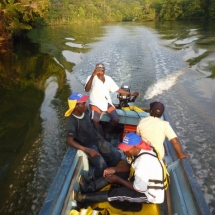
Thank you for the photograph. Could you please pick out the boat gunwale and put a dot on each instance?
(189, 174)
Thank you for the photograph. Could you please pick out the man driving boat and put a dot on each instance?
(99, 85)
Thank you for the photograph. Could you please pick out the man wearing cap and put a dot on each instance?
(154, 130)
(99, 86)
(146, 177)
(83, 136)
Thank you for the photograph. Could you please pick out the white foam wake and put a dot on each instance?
(162, 85)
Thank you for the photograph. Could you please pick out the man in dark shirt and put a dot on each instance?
(83, 136)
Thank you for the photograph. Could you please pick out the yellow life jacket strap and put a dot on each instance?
(165, 174)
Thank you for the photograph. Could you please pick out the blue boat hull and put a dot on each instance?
(185, 196)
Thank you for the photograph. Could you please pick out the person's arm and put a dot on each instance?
(121, 91)
(90, 81)
(176, 144)
(71, 142)
(118, 180)
(112, 170)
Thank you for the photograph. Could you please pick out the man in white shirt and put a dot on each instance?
(154, 130)
(99, 86)
(146, 181)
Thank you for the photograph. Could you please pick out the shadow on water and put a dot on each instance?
(23, 73)
(33, 96)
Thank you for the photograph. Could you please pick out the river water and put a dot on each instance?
(172, 62)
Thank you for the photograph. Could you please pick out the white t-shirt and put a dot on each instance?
(99, 92)
(148, 167)
(154, 130)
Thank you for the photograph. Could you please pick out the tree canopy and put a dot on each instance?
(67, 11)
(19, 15)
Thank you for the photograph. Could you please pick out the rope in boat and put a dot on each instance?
(135, 112)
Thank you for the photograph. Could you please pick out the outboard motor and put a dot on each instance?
(125, 99)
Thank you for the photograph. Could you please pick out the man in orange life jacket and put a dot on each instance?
(145, 184)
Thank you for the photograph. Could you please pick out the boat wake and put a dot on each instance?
(162, 85)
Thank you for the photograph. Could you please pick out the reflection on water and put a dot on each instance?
(54, 40)
(21, 89)
(193, 53)
(72, 57)
(167, 61)
(74, 45)
(197, 42)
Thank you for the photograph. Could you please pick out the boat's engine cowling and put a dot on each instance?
(124, 99)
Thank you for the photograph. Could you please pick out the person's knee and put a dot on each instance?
(115, 121)
(117, 157)
(95, 122)
(99, 170)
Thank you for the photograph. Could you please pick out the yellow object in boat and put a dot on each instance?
(147, 209)
(89, 211)
(133, 108)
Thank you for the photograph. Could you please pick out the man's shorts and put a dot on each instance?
(111, 111)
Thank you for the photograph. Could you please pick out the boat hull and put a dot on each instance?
(184, 195)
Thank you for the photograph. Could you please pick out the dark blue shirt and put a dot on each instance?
(83, 130)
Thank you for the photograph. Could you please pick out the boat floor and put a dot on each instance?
(147, 209)
(108, 209)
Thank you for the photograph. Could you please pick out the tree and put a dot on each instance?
(17, 16)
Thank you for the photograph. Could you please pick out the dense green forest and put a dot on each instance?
(17, 16)
(67, 11)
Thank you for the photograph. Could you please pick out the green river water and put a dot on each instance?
(171, 61)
